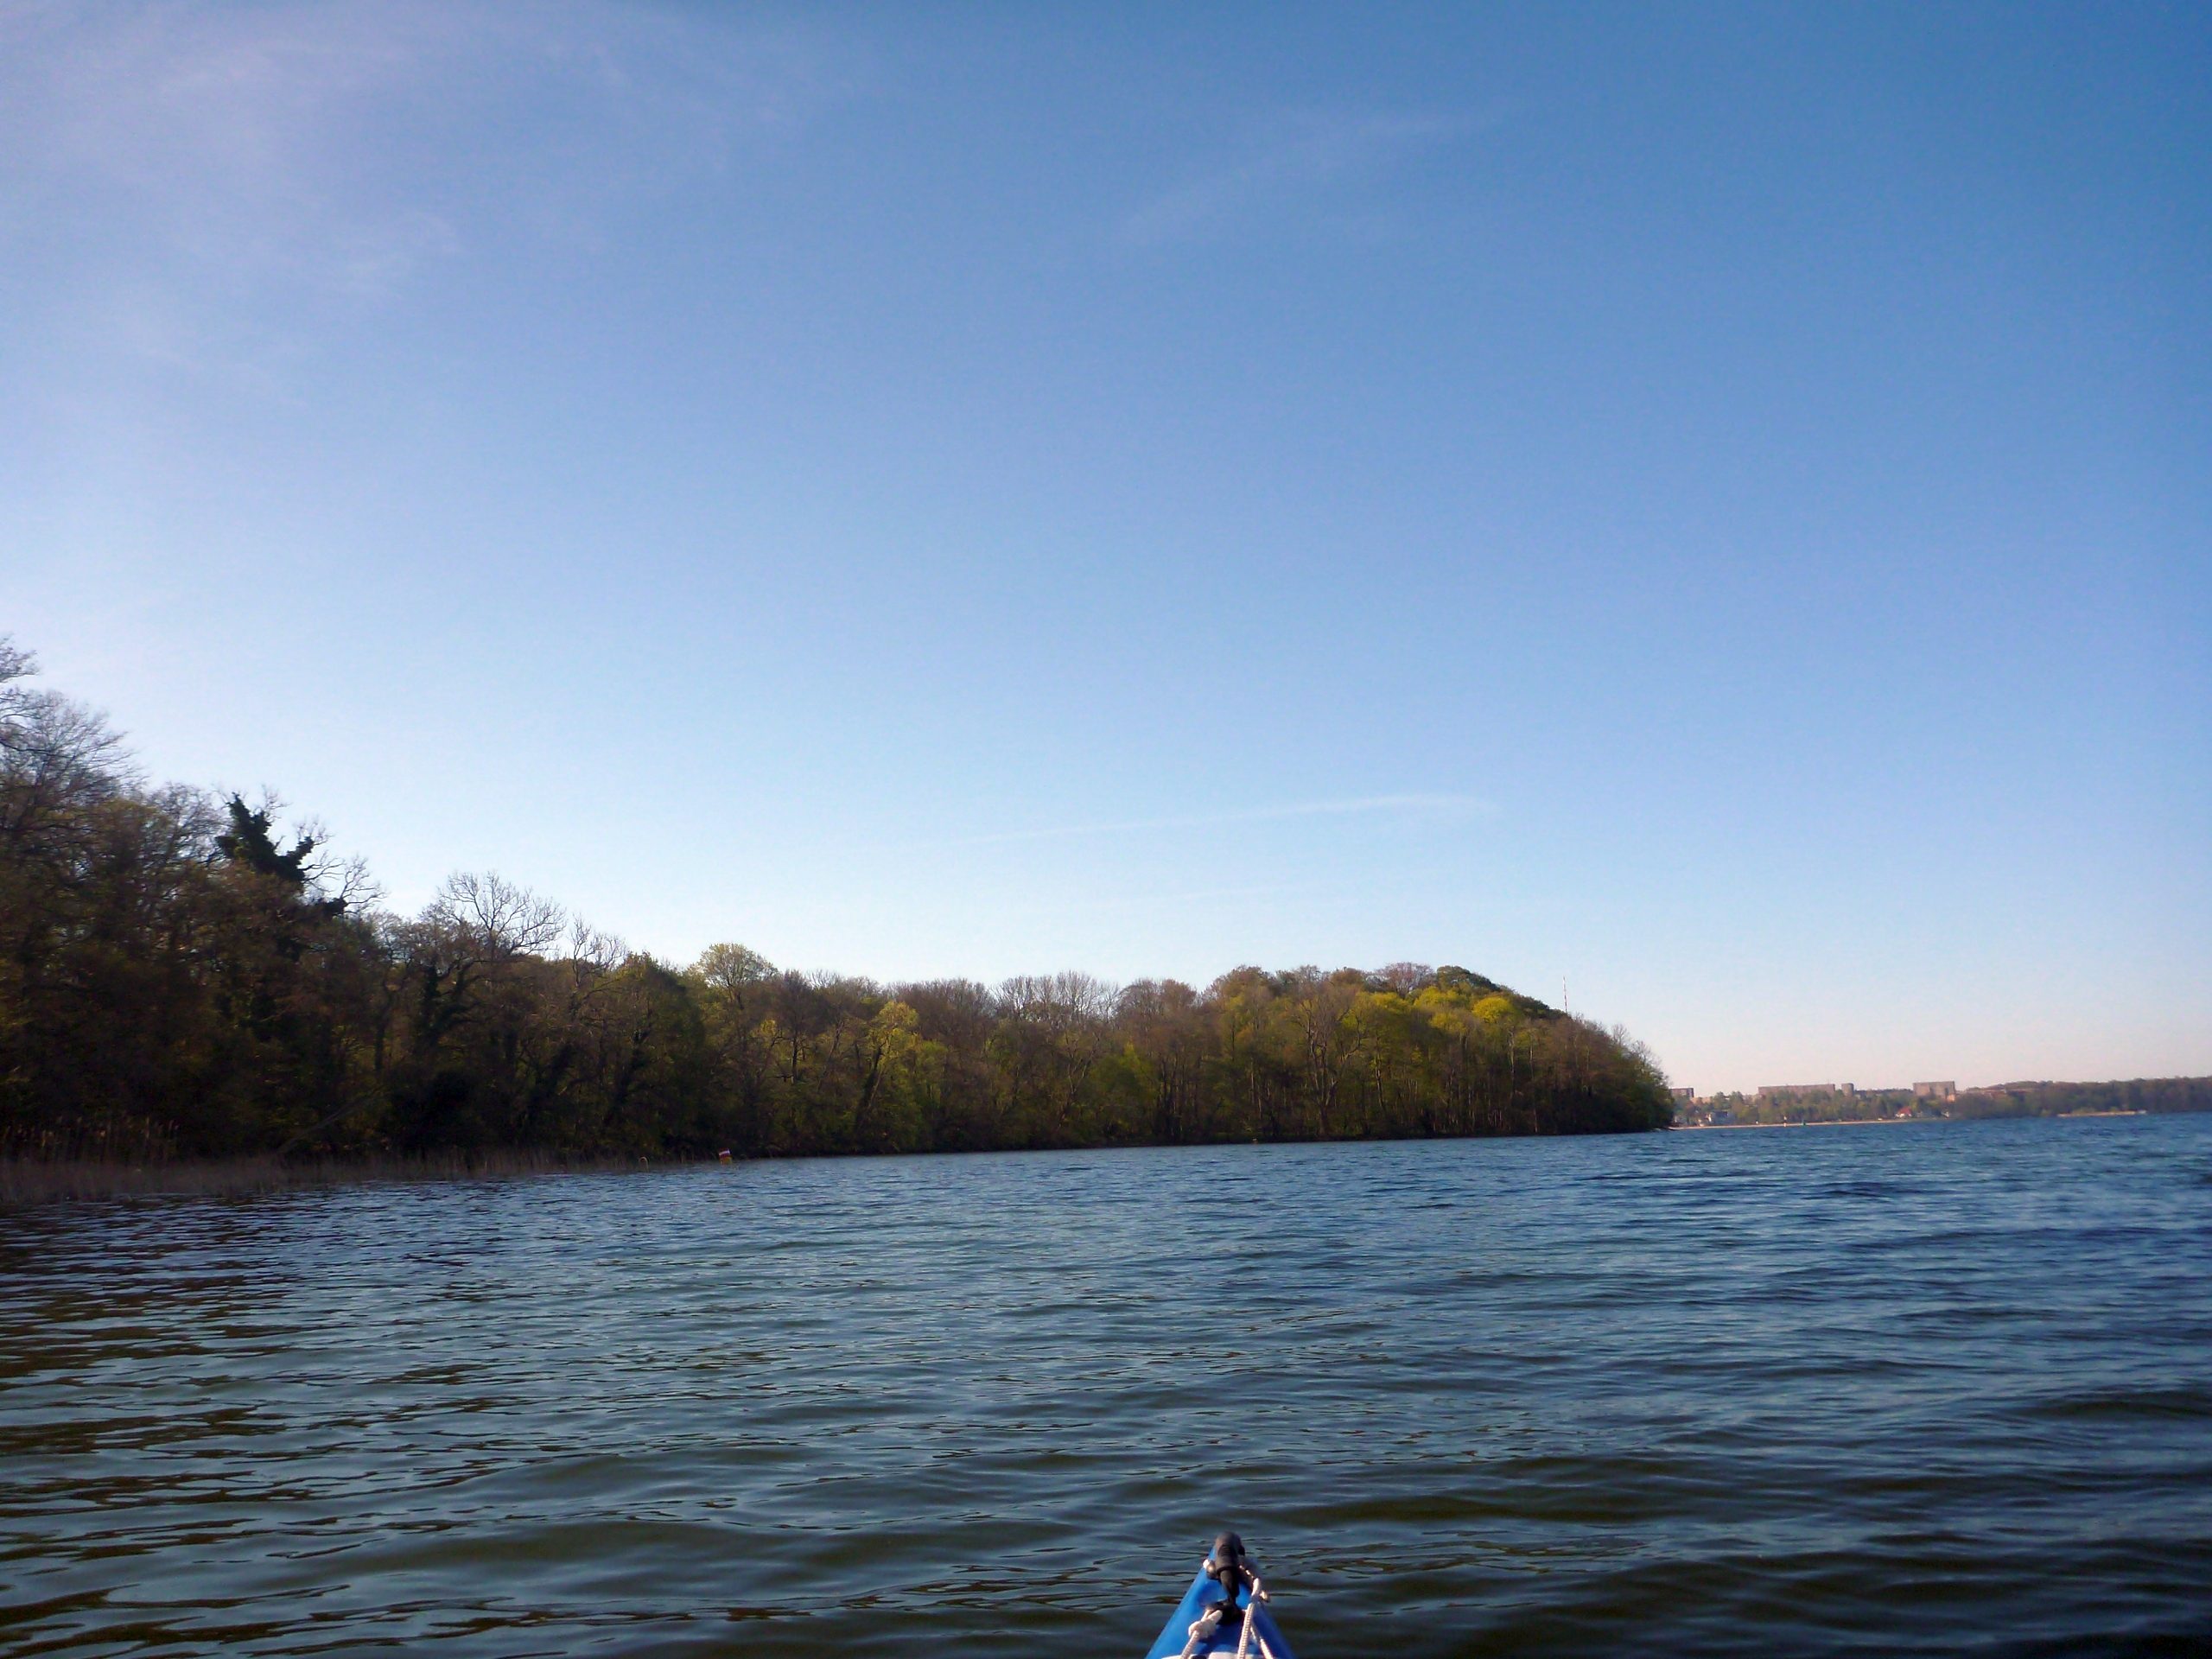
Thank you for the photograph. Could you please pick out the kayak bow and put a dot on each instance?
(1223, 1613)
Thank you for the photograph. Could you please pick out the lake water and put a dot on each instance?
(1940, 1388)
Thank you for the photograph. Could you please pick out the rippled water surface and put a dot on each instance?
(1912, 1388)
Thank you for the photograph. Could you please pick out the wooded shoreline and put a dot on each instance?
(185, 977)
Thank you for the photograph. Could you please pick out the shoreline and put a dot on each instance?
(26, 1184)
(1822, 1123)
(1871, 1123)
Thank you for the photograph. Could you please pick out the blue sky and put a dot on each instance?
(1711, 505)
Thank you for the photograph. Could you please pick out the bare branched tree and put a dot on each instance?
(498, 917)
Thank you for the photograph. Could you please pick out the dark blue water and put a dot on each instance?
(1917, 1388)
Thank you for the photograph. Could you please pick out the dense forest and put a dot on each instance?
(181, 976)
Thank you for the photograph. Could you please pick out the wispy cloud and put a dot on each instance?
(1286, 161)
(1410, 805)
(203, 172)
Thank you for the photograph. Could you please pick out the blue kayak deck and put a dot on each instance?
(1223, 1642)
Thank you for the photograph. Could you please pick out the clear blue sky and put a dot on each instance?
(1713, 503)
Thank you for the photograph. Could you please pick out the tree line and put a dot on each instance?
(1996, 1100)
(2055, 1099)
(182, 976)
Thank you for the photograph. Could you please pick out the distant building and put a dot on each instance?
(1684, 1097)
(1797, 1091)
(1944, 1090)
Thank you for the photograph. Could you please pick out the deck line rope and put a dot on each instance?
(1244, 1637)
(1203, 1626)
